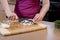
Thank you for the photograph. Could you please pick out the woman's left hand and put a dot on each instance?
(37, 18)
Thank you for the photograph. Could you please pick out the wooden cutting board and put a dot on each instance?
(16, 28)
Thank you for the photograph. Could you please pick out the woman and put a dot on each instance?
(27, 9)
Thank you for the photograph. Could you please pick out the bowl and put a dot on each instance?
(57, 24)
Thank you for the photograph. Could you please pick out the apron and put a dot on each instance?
(27, 8)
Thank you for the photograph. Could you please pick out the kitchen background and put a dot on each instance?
(52, 15)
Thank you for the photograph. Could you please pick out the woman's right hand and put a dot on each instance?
(12, 16)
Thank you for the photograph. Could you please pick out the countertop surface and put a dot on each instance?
(48, 34)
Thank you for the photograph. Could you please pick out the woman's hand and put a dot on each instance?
(45, 7)
(8, 12)
(37, 18)
(12, 16)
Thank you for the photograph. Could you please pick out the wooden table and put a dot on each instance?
(50, 34)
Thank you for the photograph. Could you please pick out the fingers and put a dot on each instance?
(12, 18)
(37, 19)
(16, 17)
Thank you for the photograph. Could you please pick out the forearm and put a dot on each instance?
(5, 6)
(45, 8)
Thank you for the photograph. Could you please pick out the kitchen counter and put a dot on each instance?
(48, 34)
